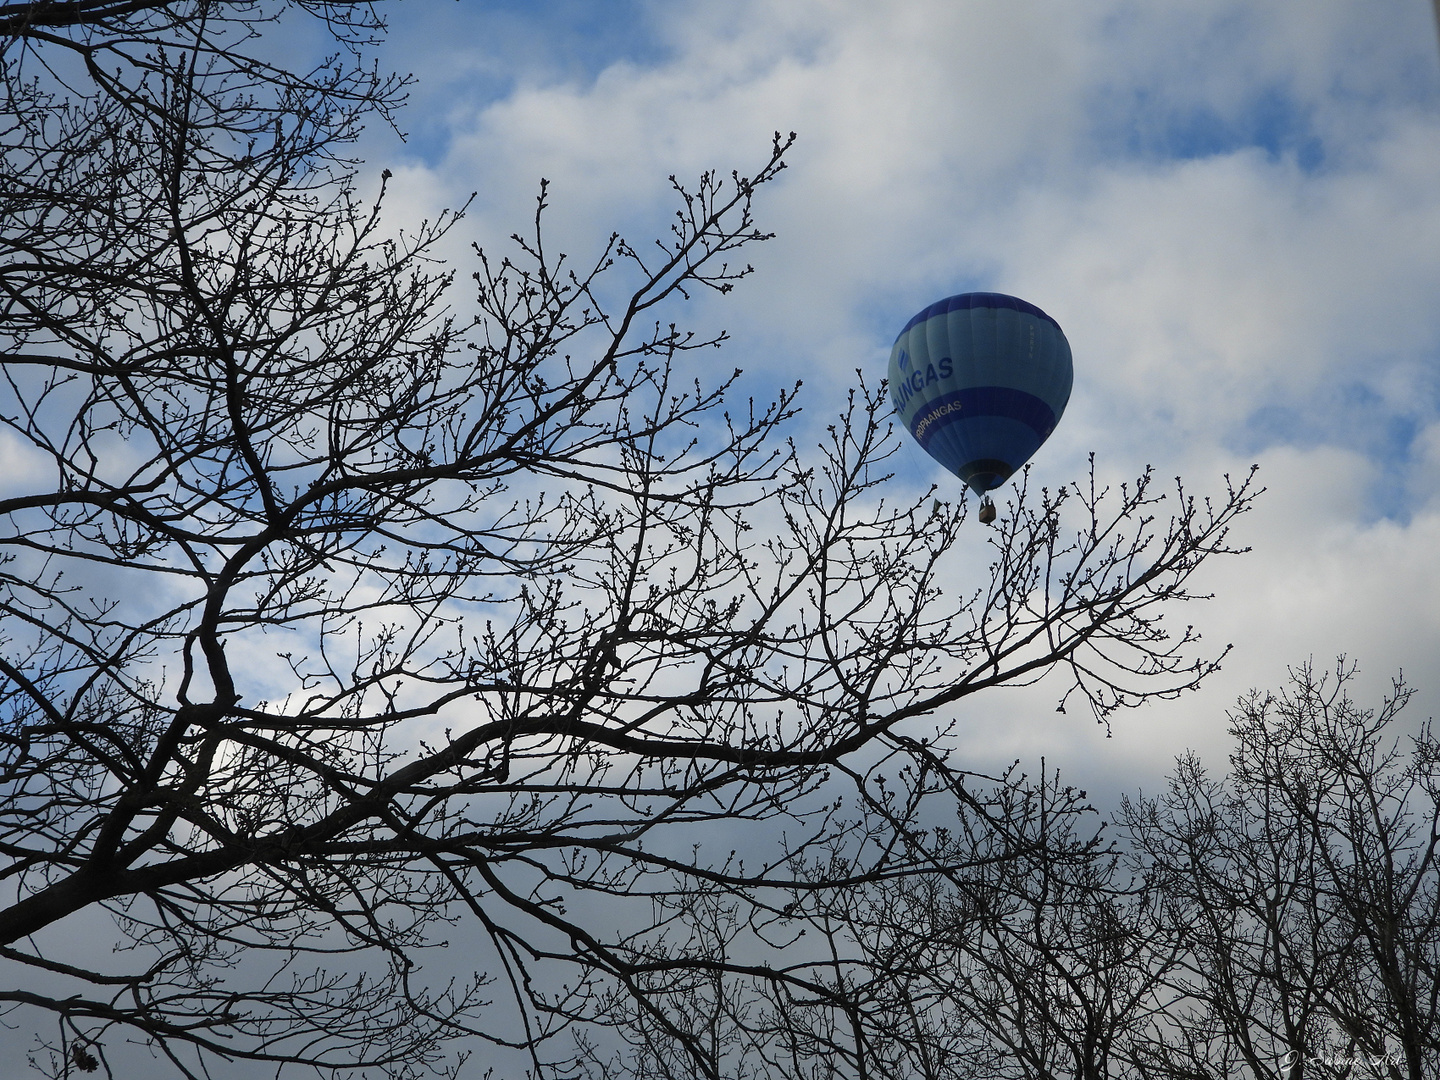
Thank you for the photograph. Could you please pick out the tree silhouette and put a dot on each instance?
(339, 624)
(1303, 890)
(1281, 921)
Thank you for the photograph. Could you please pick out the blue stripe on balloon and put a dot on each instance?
(965, 445)
(976, 401)
(978, 300)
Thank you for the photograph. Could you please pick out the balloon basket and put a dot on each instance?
(987, 511)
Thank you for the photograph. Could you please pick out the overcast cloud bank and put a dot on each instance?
(1230, 207)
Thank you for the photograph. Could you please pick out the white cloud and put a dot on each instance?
(1230, 206)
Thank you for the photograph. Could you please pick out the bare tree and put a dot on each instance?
(1304, 891)
(1022, 953)
(337, 626)
(1282, 921)
(1053, 960)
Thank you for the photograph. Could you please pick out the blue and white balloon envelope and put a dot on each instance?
(980, 380)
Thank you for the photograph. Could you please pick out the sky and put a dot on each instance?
(1231, 207)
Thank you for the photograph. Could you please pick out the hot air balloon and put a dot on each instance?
(980, 380)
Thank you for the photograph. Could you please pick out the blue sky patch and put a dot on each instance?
(1148, 125)
(489, 49)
